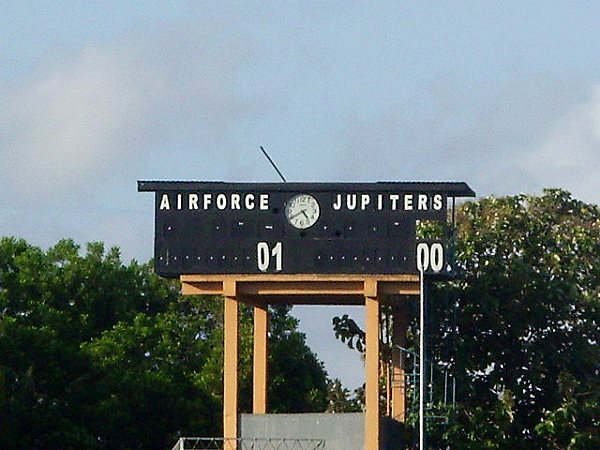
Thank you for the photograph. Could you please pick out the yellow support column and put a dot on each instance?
(230, 376)
(372, 365)
(259, 375)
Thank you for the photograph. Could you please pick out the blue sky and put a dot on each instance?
(96, 95)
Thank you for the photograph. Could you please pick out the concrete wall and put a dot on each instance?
(340, 431)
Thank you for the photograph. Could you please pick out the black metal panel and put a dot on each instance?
(223, 228)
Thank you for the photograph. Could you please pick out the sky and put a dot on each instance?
(96, 95)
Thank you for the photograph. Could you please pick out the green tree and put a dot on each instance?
(96, 354)
(50, 302)
(519, 327)
(340, 400)
(163, 373)
(146, 373)
(298, 381)
(528, 317)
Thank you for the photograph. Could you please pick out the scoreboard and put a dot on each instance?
(300, 228)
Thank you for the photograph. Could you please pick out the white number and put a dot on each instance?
(430, 257)
(437, 257)
(262, 250)
(263, 256)
(422, 256)
(277, 254)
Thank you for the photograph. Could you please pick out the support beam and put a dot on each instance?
(259, 374)
(261, 289)
(230, 376)
(372, 365)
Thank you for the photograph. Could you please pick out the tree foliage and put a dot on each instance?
(348, 331)
(519, 327)
(525, 341)
(96, 354)
(341, 400)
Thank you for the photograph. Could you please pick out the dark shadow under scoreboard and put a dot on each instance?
(300, 228)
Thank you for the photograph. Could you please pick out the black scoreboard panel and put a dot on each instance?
(290, 228)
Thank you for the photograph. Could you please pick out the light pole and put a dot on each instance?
(422, 358)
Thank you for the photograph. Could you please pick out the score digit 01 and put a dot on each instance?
(430, 257)
(264, 254)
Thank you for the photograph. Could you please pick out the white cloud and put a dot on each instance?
(569, 155)
(521, 137)
(81, 127)
(74, 120)
(92, 115)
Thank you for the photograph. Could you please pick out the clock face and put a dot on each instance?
(302, 211)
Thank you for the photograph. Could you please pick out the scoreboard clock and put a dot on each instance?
(296, 228)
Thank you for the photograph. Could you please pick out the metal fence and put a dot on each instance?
(440, 387)
(195, 443)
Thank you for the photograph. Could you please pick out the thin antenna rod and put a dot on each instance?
(273, 164)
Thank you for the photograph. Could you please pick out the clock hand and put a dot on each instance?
(297, 214)
(304, 212)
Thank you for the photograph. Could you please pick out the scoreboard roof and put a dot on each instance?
(452, 189)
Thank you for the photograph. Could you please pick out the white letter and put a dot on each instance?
(164, 202)
(394, 198)
(379, 202)
(438, 202)
(422, 202)
(264, 202)
(207, 200)
(235, 201)
(249, 201)
(221, 201)
(408, 199)
(337, 203)
(178, 201)
(365, 199)
(351, 201)
(193, 201)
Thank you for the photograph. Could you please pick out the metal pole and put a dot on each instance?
(445, 387)
(421, 361)
(453, 390)
(414, 378)
(430, 385)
